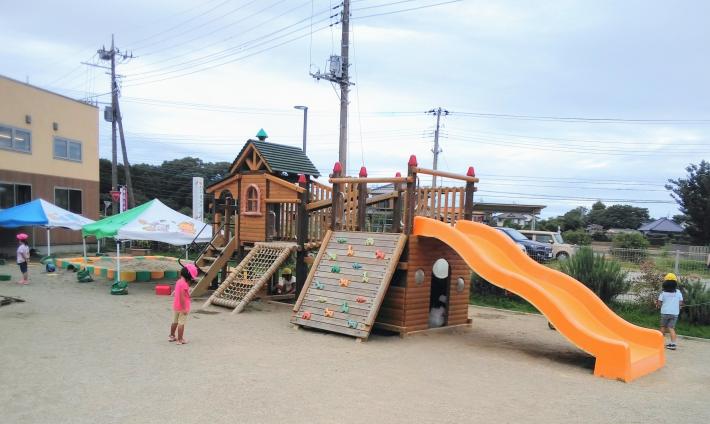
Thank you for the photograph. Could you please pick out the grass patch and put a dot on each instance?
(630, 312)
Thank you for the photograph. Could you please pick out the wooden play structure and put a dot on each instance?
(396, 276)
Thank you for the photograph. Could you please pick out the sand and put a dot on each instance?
(138, 264)
(74, 354)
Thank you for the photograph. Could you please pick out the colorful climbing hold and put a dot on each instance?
(357, 265)
(318, 285)
(369, 241)
(345, 308)
(328, 313)
(352, 323)
(322, 299)
(333, 256)
(360, 299)
(350, 250)
(365, 277)
(379, 254)
(335, 269)
(306, 315)
(344, 282)
(341, 240)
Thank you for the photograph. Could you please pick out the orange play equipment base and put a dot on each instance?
(622, 350)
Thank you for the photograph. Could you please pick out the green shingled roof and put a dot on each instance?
(281, 158)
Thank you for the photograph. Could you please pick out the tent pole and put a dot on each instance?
(49, 248)
(118, 261)
(83, 241)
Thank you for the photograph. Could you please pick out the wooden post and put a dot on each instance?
(335, 214)
(468, 196)
(302, 235)
(397, 207)
(411, 194)
(362, 201)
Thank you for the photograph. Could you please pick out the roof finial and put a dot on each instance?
(261, 135)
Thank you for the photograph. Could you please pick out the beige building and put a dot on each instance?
(49, 149)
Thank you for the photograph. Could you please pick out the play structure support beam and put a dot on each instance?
(302, 235)
(362, 200)
(468, 201)
(411, 194)
(335, 208)
(397, 208)
(445, 174)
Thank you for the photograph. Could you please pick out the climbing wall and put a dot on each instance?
(348, 281)
(250, 276)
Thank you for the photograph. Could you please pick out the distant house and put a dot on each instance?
(517, 218)
(662, 226)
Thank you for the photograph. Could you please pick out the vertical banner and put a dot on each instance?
(198, 198)
(123, 199)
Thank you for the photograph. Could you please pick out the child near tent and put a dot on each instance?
(670, 301)
(181, 303)
(23, 257)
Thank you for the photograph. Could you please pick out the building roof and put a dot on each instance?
(281, 158)
(662, 225)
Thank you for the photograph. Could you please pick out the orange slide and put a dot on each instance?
(623, 351)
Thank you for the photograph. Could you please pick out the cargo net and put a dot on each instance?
(251, 273)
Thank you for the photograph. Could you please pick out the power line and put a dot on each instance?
(580, 119)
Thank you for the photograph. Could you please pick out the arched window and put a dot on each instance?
(252, 201)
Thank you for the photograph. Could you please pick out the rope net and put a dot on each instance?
(256, 268)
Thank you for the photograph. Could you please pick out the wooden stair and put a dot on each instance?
(212, 261)
(350, 308)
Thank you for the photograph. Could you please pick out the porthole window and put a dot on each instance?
(441, 269)
(419, 277)
(460, 285)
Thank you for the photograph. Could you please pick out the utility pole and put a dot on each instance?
(117, 120)
(338, 73)
(438, 111)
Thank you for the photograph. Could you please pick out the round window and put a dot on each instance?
(419, 277)
(441, 269)
(460, 285)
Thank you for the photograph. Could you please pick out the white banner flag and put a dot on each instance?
(123, 199)
(198, 198)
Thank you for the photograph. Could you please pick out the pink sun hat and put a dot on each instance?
(192, 269)
(22, 236)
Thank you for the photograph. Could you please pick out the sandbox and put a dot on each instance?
(133, 268)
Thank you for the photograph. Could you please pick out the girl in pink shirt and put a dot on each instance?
(23, 257)
(181, 302)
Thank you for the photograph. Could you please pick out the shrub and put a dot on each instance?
(647, 285)
(630, 247)
(603, 276)
(696, 296)
(480, 286)
(579, 237)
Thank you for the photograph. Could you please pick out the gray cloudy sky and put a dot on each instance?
(209, 74)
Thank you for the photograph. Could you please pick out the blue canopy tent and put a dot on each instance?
(41, 213)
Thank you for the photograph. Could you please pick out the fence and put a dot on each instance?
(692, 263)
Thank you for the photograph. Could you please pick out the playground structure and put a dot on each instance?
(270, 206)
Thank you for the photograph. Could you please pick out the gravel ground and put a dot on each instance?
(74, 354)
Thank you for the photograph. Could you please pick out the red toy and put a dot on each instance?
(162, 290)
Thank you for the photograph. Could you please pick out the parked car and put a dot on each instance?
(541, 252)
(560, 249)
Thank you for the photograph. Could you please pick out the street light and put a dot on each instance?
(305, 123)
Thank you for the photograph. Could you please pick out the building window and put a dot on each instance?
(15, 139)
(14, 194)
(67, 149)
(252, 202)
(68, 198)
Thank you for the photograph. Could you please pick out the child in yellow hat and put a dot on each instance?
(670, 301)
(286, 284)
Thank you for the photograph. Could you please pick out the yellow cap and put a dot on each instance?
(288, 271)
(670, 277)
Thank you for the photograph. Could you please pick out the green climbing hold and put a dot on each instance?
(332, 256)
(352, 323)
(341, 240)
(345, 308)
(335, 269)
(369, 241)
(322, 299)
(365, 277)
(318, 285)
(357, 265)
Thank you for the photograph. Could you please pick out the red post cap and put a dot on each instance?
(363, 172)
(398, 174)
(301, 179)
(471, 172)
(412, 161)
(337, 168)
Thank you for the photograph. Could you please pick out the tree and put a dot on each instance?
(596, 215)
(624, 216)
(692, 194)
(574, 219)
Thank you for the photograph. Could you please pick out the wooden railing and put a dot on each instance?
(441, 203)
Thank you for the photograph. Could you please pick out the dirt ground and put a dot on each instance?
(74, 354)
